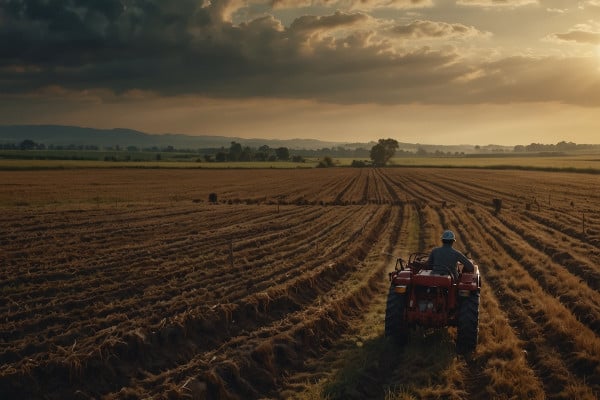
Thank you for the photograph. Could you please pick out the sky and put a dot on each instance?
(480, 72)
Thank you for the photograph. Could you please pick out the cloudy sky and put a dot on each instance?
(420, 71)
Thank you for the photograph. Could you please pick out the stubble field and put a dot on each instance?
(129, 284)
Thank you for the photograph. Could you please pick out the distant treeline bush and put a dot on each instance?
(558, 147)
(237, 152)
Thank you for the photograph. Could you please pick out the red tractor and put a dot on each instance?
(417, 297)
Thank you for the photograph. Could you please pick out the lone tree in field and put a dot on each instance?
(283, 153)
(326, 162)
(235, 151)
(383, 151)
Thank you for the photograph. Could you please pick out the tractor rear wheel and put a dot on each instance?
(395, 327)
(468, 324)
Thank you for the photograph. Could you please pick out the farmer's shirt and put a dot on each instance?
(443, 260)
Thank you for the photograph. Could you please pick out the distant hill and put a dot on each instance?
(59, 135)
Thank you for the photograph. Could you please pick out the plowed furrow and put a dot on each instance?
(379, 193)
(342, 193)
(573, 229)
(578, 258)
(473, 182)
(355, 194)
(261, 279)
(392, 193)
(304, 332)
(253, 365)
(274, 296)
(560, 348)
(366, 189)
(583, 301)
(94, 264)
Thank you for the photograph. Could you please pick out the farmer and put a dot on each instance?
(443, 259)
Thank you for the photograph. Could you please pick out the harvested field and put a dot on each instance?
(131, 284)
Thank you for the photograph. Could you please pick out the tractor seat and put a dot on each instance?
(427, 278)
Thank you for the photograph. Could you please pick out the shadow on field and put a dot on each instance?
(380, 369)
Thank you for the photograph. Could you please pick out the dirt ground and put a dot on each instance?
(130, 284)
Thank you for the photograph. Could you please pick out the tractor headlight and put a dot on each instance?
(400, 289)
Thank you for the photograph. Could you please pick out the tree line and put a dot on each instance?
(560, 146)
(237, 152)
(379, 155)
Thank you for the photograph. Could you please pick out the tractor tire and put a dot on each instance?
(468, 324)
(395, 327)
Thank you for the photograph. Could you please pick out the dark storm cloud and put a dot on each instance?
(353, 4)
(65, 32)
(337, 20)
(191, 47)
(434, 29)
(83, 43)
(179, 47)
(497, 3)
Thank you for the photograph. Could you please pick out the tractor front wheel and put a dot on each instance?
(468, 324)
(395, 327)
